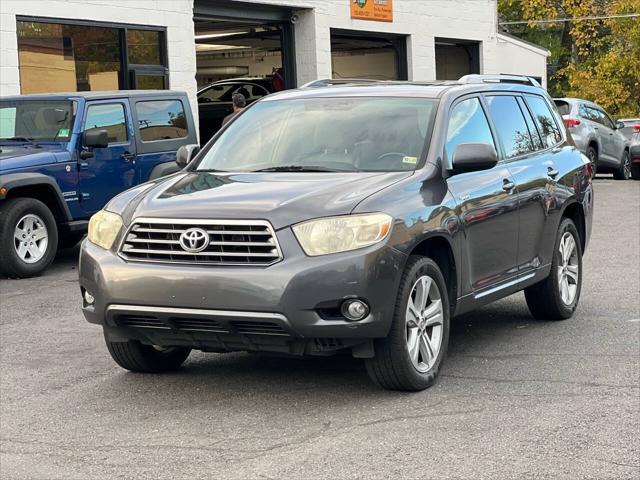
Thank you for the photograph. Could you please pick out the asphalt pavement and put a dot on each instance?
(517, 398)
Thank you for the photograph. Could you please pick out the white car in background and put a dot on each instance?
(597, 136)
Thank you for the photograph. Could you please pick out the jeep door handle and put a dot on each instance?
(508, 185)
(552, 172)
(127, 156)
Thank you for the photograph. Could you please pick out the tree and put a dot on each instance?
(598, 60)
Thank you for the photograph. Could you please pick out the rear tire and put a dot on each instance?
(624, 171)
(138, 357)
(635, 172)
(592, 155)
(28, 237)
(410, 357)
(547, 300)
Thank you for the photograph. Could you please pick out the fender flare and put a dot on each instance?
(11, 181)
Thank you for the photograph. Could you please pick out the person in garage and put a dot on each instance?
(239, 101)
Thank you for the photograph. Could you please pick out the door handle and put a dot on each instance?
(552, 172)
(508, 185)
(127, 156)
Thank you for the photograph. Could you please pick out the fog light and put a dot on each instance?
(354, 310)
(88, 298)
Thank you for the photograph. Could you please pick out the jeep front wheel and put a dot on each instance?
(28, 237)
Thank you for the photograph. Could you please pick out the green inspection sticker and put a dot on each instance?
(412, 160)
(63, 132)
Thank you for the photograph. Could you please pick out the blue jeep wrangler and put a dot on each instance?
(64, 156)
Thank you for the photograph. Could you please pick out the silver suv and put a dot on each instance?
(597, 136)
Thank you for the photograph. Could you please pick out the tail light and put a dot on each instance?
(571, 122)
(636, 128)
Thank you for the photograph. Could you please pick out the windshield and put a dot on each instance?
(36, 120)
(324, 134)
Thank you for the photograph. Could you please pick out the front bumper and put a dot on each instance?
(239, 308)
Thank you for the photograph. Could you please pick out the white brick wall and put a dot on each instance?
(420, 20)
(176, 15)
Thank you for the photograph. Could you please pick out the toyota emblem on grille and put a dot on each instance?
(194, 240)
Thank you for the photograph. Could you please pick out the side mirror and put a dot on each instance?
(186, 153)
(469, 157)
(619, 125)
(96, 138)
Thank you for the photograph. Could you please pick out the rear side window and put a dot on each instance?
(161, 120)
(547, 126)
(467, 124)
(109, 117)
(563, 107)
(512, 128)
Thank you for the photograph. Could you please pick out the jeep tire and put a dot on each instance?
(28, 237)
(411, 355)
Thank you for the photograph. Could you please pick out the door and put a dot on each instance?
(616, 141)
(487, 202)
(536, 173)
(111, 169)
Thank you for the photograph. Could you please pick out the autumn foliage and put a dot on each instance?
(598, 60)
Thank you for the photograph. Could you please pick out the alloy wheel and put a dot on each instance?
(424, 319)
(30, 238)
(626, 167)
(568, 268)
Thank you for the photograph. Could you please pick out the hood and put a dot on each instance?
(14, 157)
(279, 197)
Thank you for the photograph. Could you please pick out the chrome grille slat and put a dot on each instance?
(231, 242)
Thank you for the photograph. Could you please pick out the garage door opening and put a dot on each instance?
(239, 49)
(456, 58)
(368, 55)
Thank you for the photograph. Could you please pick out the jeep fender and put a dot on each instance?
(22, 181)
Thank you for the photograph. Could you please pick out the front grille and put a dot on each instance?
(258, 328)
(141, 321)
(230, 242)
(198, 325)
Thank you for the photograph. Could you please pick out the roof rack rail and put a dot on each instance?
(330, 82)
(521, 79)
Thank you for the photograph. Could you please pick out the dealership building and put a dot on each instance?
(78, 45)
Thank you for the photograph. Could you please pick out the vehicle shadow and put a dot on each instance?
(338, 377)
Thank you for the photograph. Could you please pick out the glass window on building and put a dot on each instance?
(63, 57)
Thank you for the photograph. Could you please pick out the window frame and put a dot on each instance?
(100, 104)
(137, 125)
(484, 107)
(127, 70)
(515, 93)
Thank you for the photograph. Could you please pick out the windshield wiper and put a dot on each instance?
(300, 168)
(17, 139)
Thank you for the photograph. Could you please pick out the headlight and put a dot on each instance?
(340, 234)
(103, 228)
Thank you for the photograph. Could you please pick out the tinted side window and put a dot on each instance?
(161, 120)
(251, 92)
(511, 126)
(109, 117)
(537, 142)
(467, 124)
(606, 120)
(563, 107)
(547, 126)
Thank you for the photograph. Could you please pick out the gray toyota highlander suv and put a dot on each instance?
(361, 217)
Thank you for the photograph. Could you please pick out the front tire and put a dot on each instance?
(624, 171)
(28, 237)
(138, 357)
(557, 296)
(409, 358)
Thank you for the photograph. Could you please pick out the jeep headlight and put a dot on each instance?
(103, 228)
(323, 236)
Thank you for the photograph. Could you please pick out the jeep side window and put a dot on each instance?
(109, 117)
(161, 120)
(510, 124)
(467, 124)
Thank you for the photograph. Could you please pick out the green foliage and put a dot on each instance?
(598, 60)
